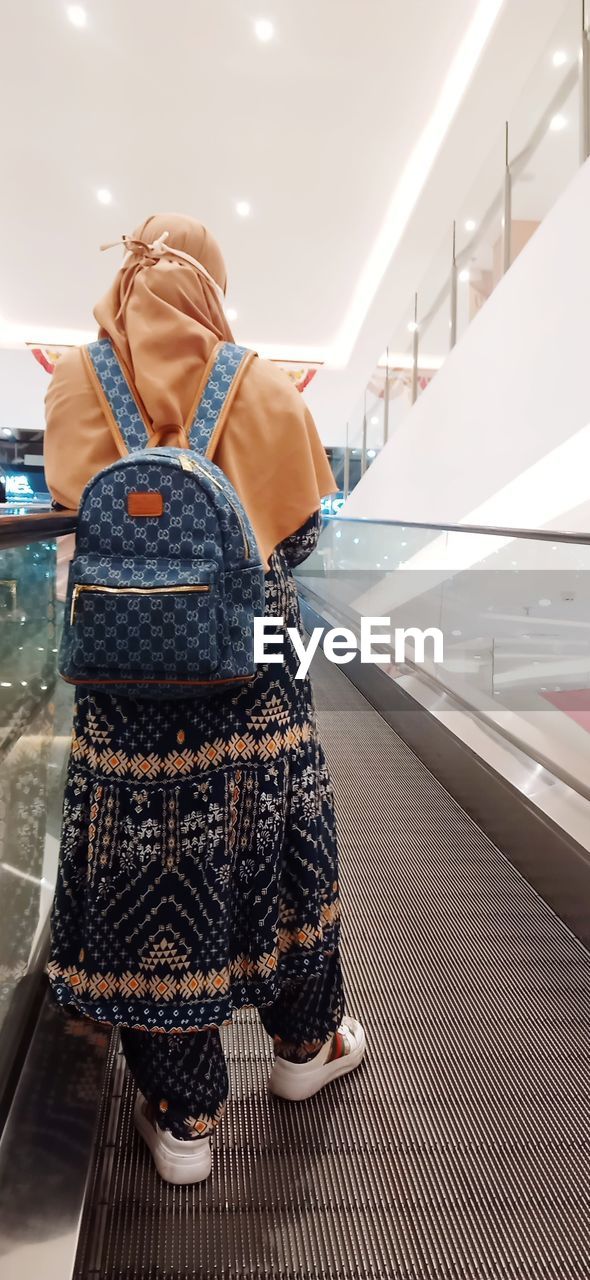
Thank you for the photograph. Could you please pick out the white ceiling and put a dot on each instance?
(177, 106)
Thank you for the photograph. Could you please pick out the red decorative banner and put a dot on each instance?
(400, 380)
(48, 357)
(301, 377)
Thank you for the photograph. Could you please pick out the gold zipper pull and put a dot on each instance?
(75, 594)
(187, 464)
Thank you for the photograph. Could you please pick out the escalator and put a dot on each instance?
(461, 1146)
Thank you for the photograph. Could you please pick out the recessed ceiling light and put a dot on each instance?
(375, 421)
(104, 196)
(264, 30)
(544, 602)
(559, 58)
(77, 15)
(557, 123)
(412, 326)
(231, 313)
(243, 208)
(464, 275)
(470, 224)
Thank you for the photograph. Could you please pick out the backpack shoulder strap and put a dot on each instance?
(117, 400)
(220, 383)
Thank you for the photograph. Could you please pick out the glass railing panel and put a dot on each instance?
(543, 148)
(434, 330)
(365, 431)
(548, 160)
(35, 729)
(480, 238)
(513, 615)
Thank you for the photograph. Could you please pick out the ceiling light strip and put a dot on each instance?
(414, 176)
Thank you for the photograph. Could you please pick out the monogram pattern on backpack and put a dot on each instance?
(214, 396)
(124, 407)
(121, 400)
(162, 605)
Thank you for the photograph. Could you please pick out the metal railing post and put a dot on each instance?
(584, 89)
(507, 237)
(453, 326)
(415, 352)
(346, 478)
(386, 401)
(364, 445)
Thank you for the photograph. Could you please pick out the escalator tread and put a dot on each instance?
(461, 1147)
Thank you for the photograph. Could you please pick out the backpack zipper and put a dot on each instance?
(189, 464)
(128, 591)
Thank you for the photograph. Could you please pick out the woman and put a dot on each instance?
(198, 869)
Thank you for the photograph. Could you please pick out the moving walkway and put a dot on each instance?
(461, 1147)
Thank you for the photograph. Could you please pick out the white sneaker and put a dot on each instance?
(176, 1160)
(298, 1080)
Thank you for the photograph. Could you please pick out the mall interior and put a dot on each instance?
(402, 195)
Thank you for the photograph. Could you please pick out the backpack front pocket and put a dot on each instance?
(151, 633)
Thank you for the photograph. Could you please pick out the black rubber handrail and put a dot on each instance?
(17, 530)
(494, 531)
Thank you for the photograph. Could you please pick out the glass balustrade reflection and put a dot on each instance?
(514, 615)
(490, 224)
(35, 727)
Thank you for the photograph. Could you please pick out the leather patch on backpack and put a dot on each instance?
(145, 504)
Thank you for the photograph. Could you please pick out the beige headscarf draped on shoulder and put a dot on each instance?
(165, 319)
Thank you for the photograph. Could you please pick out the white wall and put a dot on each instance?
(23, 383)
(515, 389)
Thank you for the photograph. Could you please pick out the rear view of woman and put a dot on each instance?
(198, 868)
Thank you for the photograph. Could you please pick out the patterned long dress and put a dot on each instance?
(198, 867)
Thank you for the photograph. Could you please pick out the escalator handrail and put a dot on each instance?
(16, 530)
(494, 531)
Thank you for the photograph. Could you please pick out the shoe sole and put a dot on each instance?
(172, 1166)
(286, 1082)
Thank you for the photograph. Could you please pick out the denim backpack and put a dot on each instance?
(166, 578)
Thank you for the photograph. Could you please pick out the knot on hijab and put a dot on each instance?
(164, 311)
(140, 254)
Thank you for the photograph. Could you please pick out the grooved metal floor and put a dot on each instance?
(461, 1147)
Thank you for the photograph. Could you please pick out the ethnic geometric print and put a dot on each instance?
(198, 867)
(184, 1078)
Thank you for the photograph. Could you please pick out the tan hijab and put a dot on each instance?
(165, 318)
